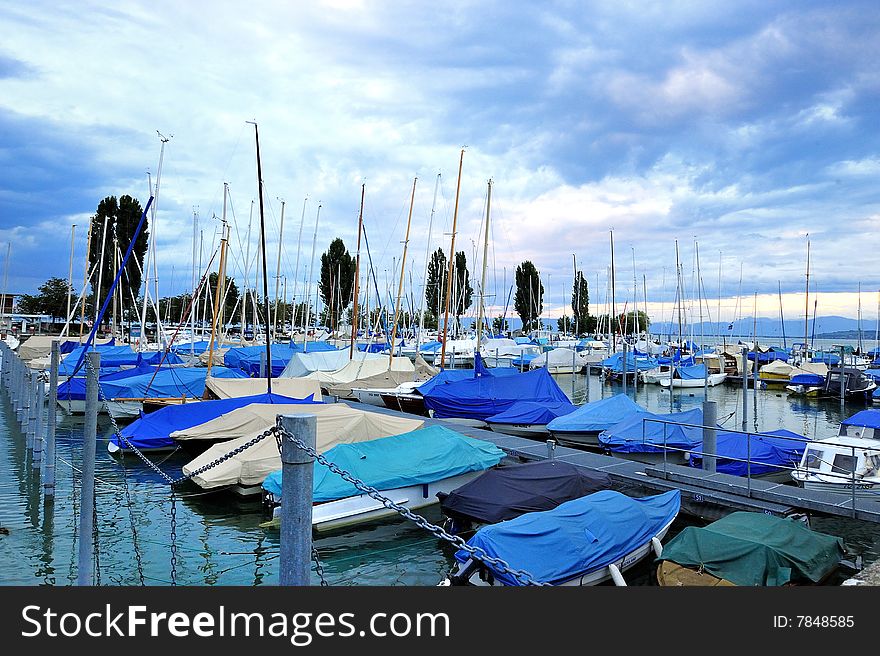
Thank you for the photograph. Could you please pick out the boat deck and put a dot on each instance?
(705, 494)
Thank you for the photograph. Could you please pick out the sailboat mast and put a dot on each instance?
(427, 256)
(614, 316)
(69, 279)
(451, 262)
(357, 273)
(221, 275)
(402, 271)
(195, 300)
(678, 294)
(485, 256)
(265, 279)
(807, 301)
(278, 272)
(296, 268)
(781, 315)
(100, 269)
(860, 318)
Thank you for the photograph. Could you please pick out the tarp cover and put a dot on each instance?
(770, 452)
(509, 491)
(867, 418)
(751, 548)
(559, 357)
(74, 389)
(113, 357)
(165, 383)
(248, 358)
(642, 432)
(532, 412)
(337, 423)
(297, 388)
(414, 458)
(355, 370)
(486, 394)
(596, 416)
(447, 376)
(694, 372)
(302, 364)
(575, 538)
(153, 430)
(615, 362)
(814, 380)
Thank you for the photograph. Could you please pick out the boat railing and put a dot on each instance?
(850, 476)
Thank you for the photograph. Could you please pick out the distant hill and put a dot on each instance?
(829, 326)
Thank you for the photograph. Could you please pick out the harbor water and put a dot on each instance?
(218, 539)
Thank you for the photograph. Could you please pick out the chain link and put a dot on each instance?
(475, 552)
(173, 537)
(247, 445)
(319, 568)
(96, 544)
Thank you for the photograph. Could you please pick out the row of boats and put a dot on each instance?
(418, 463)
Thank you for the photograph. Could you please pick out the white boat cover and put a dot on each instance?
(337, 423)
(357, 370)
(782, 368)
(36, 350)
(558, 357)
(294, 388)
(302, 364)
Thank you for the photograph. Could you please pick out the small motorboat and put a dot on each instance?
(749, 549)
(585, 541)
(529, 418)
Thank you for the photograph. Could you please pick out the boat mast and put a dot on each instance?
(614, 316)
(278, 272)
(296, 268)
(357, 273)
(860, 318)
(807, 301)
(82, 309)
(221, 276)
(100, 269)
(402, 270)
(265, 279)
(485, 256)
(781, 315)
(5, 279)
(427, 257)
(451, 262)
(678, 296)
(195, 301)
(69, 280)
(309, 288)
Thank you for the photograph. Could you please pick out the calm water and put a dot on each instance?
(220, 541)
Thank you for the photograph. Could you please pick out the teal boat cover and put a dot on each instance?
(418, 457)
(750, 548)
(596, 416)
(646, 432)
(575, 538)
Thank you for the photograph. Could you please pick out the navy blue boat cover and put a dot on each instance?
(418, 457)
(532, 412)
(151, 431)
(509, 491)
(596, 416)
(485, 394)
(868, 418)
(769, 452)
(639, 434)
(575, 538)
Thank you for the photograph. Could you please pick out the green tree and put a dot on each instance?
(230, 292)
(580, 304)
(122, 218)
(565, 325)
(499, 325)
(50, 300)
(464, 293)
(528, 301)
(628, 321)
(337, 281)
(435, 285)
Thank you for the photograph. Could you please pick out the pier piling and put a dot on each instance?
(297, 474)
(745, 375)
(49, 474)
(87, 498)
(710, 435)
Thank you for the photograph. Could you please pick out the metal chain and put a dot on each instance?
(134, 533)
(476, 552)
(247, 445)
(319, 568)
(173, 538)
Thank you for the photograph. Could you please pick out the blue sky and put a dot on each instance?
(736, 128)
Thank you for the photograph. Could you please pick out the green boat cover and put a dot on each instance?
(750, 548)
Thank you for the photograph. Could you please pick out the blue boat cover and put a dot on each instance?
(165, 383)
(814, 380)
(694, 372)
(508, 491)
(532, 412)
(596, 416)
(447, 376)
(152, 431)
(68, 345)
(575, 538)
(74, 389)
(430, 347)
(113, 357)
(769, 452)
(487, 394)
(868, 418)
(615, 362)
(248, 358)
(418, 457)
(638, 434)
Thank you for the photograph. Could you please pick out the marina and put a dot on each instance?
(201, 537)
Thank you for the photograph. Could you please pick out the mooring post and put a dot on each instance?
(710, 435)
(842, 378)
(551, 449)
(745, 375)
(297, 474)
(262, 364)
(39, 398)
(87, 496)
(19, 393)
(30, 420)
(51, 418)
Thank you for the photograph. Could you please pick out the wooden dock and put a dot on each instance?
(704, 494)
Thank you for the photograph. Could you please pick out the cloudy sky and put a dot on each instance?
(733, 129)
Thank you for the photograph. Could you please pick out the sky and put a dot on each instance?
(725, 136)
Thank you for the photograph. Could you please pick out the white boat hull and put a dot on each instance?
(370, 396)
(532, 431)
(363, 508)
(712, 380)
(587, 438)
